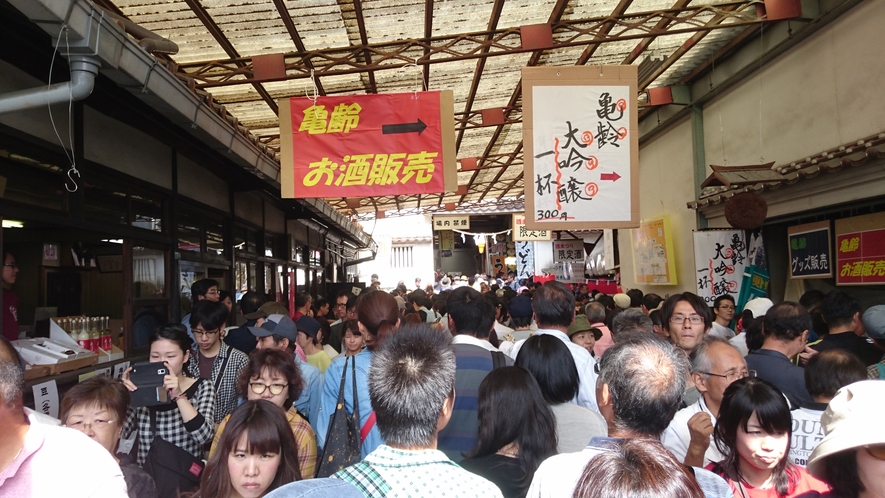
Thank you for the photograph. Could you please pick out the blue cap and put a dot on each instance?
(280, 325)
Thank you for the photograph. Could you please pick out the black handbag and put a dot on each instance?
(174, 469)
(342, 447)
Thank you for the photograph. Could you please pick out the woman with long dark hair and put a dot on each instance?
(753, 430)
(551, 364)
(255, 455)
(377, 318)
(517, 431)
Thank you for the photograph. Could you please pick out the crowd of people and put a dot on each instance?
(475, 387)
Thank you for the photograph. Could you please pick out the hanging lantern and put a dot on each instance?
(480, 240)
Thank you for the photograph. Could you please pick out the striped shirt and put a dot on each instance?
(473, 362)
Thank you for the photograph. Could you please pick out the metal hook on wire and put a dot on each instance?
(72, 171)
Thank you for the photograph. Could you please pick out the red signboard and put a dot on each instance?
(860, 257)
(368, 145)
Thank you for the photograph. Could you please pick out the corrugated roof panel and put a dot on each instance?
(252, 27)
(588, 9)
(521, 12)
(176, 21)
(391, 20)
(511, 173)
(319, 23)
(475, 141)
(460, 16)
(500, 77)
(456, 76)
(464, 177)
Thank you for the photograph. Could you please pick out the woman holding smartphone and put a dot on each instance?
(187, 419)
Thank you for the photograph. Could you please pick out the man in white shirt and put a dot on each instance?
(825, 374)
(553, 305)
(715, 364)
(723, 309)
(640, 388)
(41, 460)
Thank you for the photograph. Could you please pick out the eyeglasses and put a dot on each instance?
(340, 305)
(733, 376)
(97, 425)
(11, 265)
(725, 307)
(876, 451)
(275, 389)
(679, 319)
(207, 333)
(213, 292)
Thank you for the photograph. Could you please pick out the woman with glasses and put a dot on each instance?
(272, 376)
(851, 456)
(753, 432)
(212, 359)
(97, 407)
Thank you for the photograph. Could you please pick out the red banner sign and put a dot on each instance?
(860, 258)
(368, 145)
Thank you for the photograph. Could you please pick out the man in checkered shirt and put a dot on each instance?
(411, 386)
(212, 359)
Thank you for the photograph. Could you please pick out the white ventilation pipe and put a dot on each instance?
(83, 71)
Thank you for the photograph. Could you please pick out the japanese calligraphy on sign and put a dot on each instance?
(520, 232)
(809, 247)
(720, 257)
(451, 222)
(653, 260)
(581, 143)
(571, 251)
(525, 259)
(860, 250)
(367, 145)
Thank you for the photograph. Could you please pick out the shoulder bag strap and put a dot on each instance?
(498, 360)
(220, 376)
(356, 398)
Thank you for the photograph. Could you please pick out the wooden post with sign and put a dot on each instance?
(368, 145)
(581, 138)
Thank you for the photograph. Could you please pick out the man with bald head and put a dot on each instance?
(29, 452)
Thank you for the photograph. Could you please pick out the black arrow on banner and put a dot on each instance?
(390, 129)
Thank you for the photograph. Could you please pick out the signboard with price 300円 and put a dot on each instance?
(367, 145)
(581, 142)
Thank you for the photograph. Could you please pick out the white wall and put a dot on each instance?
(821, 94)
(387, 230)
(665, 185)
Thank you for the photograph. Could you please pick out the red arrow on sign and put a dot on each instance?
(609, 176)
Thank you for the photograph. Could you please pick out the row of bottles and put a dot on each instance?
(91, 333)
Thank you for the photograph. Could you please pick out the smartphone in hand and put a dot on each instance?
(148, 378)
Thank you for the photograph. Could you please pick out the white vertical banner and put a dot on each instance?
(720, 257)
(46, 398)
(525, 259)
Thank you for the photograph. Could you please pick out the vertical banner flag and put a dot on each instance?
(368, 145)
(756, 278)
(581, 142)
(720, 257)
(653, 261)
(860, 250)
